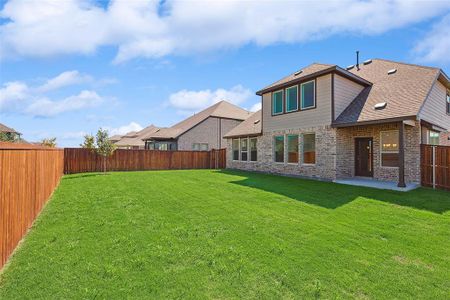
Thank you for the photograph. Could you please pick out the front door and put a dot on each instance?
(363, 157)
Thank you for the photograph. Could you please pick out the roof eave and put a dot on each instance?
(242, 135)
(373, 122)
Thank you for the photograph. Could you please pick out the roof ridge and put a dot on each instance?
(407, 64)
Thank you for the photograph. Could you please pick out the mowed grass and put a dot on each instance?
(228, 234)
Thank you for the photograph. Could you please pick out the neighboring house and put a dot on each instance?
(9, 134)
(200, 132)
(115, 138)
(331, 123)
(133, 139)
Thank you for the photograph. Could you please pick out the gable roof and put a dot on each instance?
(404, 92)
(250, 127)
(222, 109)
(4, 128)
(134, 138)
(310, 72)
(115, 138)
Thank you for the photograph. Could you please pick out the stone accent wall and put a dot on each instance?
(346, 151)
(335, 153)
(325, 167)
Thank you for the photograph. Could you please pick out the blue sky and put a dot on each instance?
(70, 67)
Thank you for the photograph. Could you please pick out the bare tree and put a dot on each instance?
(104, 146)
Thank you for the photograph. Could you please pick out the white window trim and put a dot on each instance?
(250, 151)
(381, 149)
(282, 103)
(314, 95)
(239, 149)
(298, 149)
(286, 98)
(274, 149)
(303, 150)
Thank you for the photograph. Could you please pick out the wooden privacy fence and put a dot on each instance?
(28, 176)
(435, 166)
(78, 160)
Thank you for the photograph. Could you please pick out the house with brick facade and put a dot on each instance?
(367, 120)
(202, 131)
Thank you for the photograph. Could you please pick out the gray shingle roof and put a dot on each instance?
(4, 128)
(250, 127)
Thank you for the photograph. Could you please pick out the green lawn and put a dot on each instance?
(223, 234)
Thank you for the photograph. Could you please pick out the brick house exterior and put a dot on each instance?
(369, 119)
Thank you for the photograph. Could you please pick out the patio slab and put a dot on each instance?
(384, 185)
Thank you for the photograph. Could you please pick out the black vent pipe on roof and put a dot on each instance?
(357, 60)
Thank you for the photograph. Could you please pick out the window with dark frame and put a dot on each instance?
(279, 148)
(244, 149)
(292, 98)
(292, 145)
(253, 149)
(389, 148)
(235, 147)
(309, 148)
(307, 90)
(277, 102)
(448, 102)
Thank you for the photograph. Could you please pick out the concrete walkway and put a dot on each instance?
(384, 185)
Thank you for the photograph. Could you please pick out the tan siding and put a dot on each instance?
(345, 91)
(434, 110)
(319, 116)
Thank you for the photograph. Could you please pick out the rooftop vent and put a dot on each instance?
(298, 73)
(366, 62)
(380, 105)
(350, 67)
(257, 121)
(392, 71)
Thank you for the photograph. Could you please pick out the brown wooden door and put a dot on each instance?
(364, 157)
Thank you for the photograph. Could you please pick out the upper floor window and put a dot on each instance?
(292, 98)
(448, 102)
(308, 98)
(277, 102)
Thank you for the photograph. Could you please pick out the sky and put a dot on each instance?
(70, 67)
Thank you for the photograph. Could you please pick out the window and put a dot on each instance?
(291, 98)
(253, 149)
(308, 94)
(203, 147)
(292, 144)
(389, 149)
(279, 148)
(277, 103)
(235, 149)
(309, 148)
(448, 102)
(433, 137)
(196, 146)
(244, 149)
(200, 146)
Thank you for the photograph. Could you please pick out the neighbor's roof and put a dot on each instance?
(4, 128)
(250, 127)
(115, 138)
(309, 72)
(403, 91)
(222, 109)
(134, 138)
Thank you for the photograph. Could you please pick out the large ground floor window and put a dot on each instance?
(389, 148)
(235, 149)
(245, 149)
(279, 148)
(309, 148)
(253, 149)
(292, 145)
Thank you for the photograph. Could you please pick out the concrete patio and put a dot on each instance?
(384, 185)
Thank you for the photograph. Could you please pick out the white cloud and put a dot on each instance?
(435, 47)
(255, 107)
(44, 107)
(12, 94)
(133, 126)
(186, 101)
(64, 79)
(137, 29)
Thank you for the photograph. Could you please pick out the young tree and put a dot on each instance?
(49, 142)
(89, 142)
(104, 146)
(7, 137)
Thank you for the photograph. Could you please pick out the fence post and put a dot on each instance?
(434, 166)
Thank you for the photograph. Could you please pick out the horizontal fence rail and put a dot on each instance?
(79, 160)
(28, 176)
(435, 166)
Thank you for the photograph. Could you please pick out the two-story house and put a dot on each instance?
(326, 122)
(202, 131)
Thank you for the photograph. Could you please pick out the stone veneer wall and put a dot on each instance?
(325, 167)
(346, 151)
